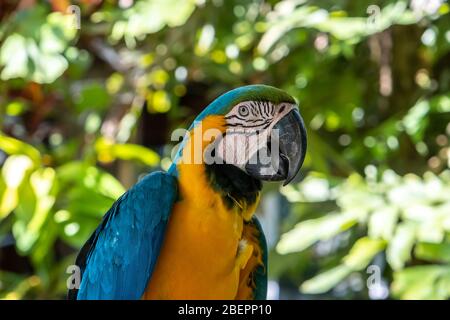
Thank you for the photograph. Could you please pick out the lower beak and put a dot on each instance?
(287, 147)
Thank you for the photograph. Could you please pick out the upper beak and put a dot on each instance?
(287, 148)
(292, 144)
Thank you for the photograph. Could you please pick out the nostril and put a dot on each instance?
(282, 108)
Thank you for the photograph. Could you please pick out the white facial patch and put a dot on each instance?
(249, 128)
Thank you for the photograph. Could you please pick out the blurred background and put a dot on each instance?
(91, 90)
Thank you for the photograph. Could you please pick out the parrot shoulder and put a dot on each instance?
(119, 257)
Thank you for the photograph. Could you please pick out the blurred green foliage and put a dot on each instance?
(76, 110)
(407, 218)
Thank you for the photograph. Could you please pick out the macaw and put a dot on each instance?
(191, 233)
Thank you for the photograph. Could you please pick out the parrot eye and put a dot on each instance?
(243, 111)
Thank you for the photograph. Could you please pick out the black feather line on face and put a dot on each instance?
(263, 125)
(263, 109)
(247, 133)
(259, 110)
(251, 121)
(255, 105)
(256, 120)
(235, 116)
(266, 125)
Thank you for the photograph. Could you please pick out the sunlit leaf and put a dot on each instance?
(13, 146)
(420, 282)
(382, 223)
(108, 152)
(26, 229)
(14, 46)
(326, 280)
(311, 189)
(91, 178)
(399, 249)
(439, 252)
(14, 171)
(309, 232)
(149, 16)
(35, 51)
(9, 201)
(416, 121)
(362, 252)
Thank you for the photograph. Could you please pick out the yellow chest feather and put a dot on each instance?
(203, 251)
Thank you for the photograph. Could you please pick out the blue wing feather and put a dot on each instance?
(119, 258)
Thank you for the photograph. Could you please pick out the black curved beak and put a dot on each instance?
(287, 149)
(292, 140)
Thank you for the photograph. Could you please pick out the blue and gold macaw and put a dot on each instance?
(190, 233)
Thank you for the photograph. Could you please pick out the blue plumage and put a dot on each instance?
(114, 269)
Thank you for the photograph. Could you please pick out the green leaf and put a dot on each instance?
(87, 202)
(77, 230)
(355, 196)
(399, 249)
(8, 202)
(28, 201)
(34, 50)
(90, 178)
(382, 223)
(344, 28)
(14, 171)
(150, 16)
(42, 253)
(26, 229)
(416, 121)
(308, 232)
(440, 103)
(443, 285)
(431, 230)
(314, 188)
(362, 252)
(439, 252)
(47, 72)
(326, 280)
(108, 152)
(13, 147)
(92, 96)
(90, 193)
(421, 282)
(14, 46)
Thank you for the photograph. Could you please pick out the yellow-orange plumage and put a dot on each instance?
(208, 251)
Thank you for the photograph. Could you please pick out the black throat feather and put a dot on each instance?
(233, 183)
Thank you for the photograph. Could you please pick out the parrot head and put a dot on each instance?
(259, 131)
